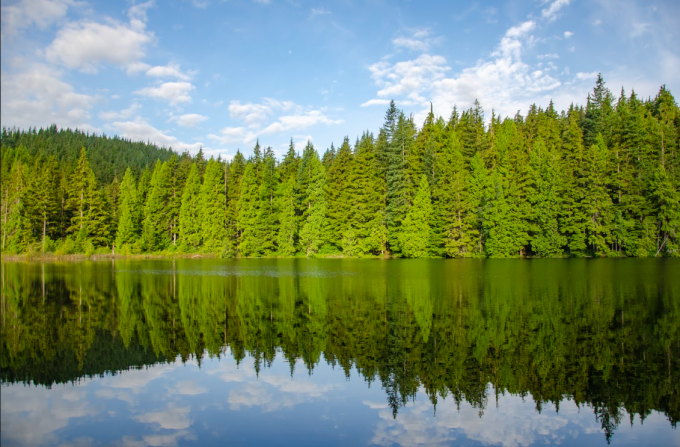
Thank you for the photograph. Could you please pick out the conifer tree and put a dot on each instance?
(14, 224)
(267, 212)
(480, 190)
(547, 201)
(339, 198)
(234, 173)
(128, 224)
(367, 215)
(190, 217)
(213, 208)
(398, 184)
(597, 201)
(313, 231)
(248, 210)
(287, 231)
(452, 207)
(415, 235)
(156, 223)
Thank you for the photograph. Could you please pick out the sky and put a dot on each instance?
(221, 75)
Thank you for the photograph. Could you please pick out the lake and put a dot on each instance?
(341, 352)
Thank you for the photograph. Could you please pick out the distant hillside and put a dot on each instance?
(108, 156)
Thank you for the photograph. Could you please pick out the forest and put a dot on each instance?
(596, 181)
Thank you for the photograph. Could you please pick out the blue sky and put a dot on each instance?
(222, 74)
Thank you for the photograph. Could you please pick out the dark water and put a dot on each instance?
(341, 352)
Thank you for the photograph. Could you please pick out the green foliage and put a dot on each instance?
(190, 213)
(599, 180)
(213, 206)
(415, 235)
(313, 231)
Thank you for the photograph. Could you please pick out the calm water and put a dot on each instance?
(341, 352)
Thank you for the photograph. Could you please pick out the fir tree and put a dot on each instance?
(415, 237)
(190, 216)
(313, 231)
(213, 208)
(128, 224)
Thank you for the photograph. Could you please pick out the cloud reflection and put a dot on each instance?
(514, 423)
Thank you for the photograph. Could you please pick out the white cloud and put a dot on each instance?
(137, 67)
(320, 12)
(174, 418)
(188, 388)
(140, 130)
(407, 77)
(502, 81)
(189, 119)
(597, 22)
(419, 40)
(86, 45)
(411, 43)
(168, 71)
(173, 92)
(27, 13)
(112, 115)
(31, 416)
(586, 76)
(548, 56)
(38, 97)
(568, 34)
(639, 29)
(550, 13)
(376, 102)
(271, 116)
(251, 114)
(298, 122)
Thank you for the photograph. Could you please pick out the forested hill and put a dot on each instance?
(108, 156)
(596, 180)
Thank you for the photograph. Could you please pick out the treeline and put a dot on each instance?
(596, 332)
(599, 180)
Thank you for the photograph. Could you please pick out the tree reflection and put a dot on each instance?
(598, 333)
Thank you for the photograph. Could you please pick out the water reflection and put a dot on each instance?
(408, 353)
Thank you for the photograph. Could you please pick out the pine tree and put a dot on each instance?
(267, 216)
(398, 184)
(367, 215)
(415, 237)
(547, 201)
(234, 174)
(190, 217)
(156, 226)
(339, 198)
(313, 231)
(288, 222)
(248, 210)
(213, 208)
(128, 224)
(452, 205)
(597, 201)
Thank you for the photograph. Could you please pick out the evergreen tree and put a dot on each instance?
(234, 173)
(128, 224)
(339, 197)
(248, 211)
(288, 221)
(547, 201)
(213, 208)
(313, 231)
(190, 217)
(415, 237)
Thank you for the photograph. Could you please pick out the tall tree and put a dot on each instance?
(415, 237)
(213, 208)
(313, 231)
(190, 214)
